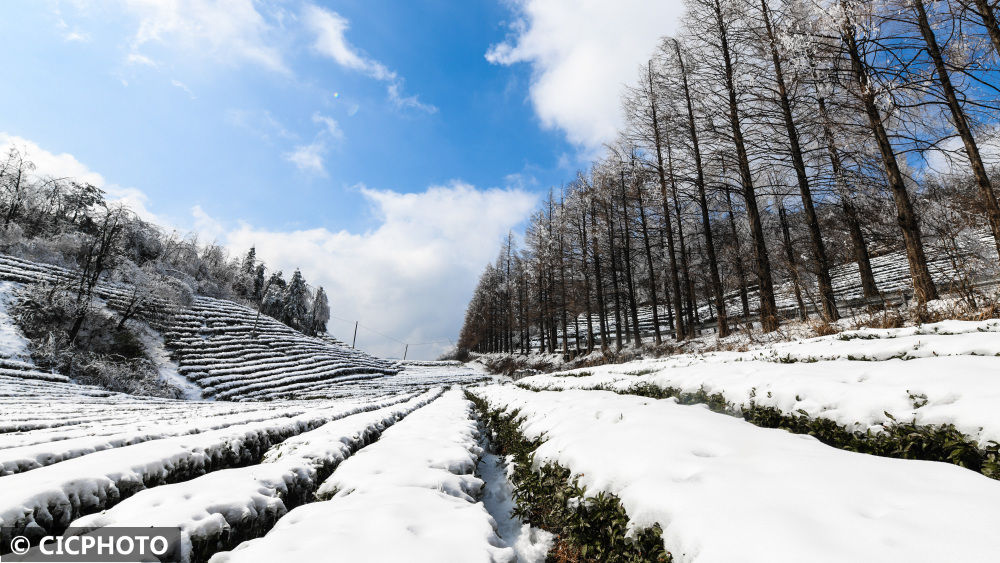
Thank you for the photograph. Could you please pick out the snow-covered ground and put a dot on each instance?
(943, 373)
(213, 509)
(724, 490)
(222, 349)
(388, 468)
(530, 544)
(411, 496)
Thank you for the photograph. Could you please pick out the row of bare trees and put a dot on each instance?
(765, 143)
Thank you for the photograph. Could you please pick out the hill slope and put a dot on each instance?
(229, 350)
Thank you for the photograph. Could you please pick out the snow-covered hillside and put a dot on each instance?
(227, 350)
(890, 270)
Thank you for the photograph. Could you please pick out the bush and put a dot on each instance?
(106, 352)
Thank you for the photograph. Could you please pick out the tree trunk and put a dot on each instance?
(740, 273)
(861, 256)
(792, 265)
(562, 287)
(649, 264)
(768, 308)
(924, 289)
(689, 297)
(671, 252)
(614, 277)
(626, 231)
(541, 309)
(961, 122)
(860, 246)
(820, 262)
(713, 264)
(989, 22)
(601, 308)
(586, 281)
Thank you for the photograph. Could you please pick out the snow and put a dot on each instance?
(724, 490)
(530, 544)
(409, 496)
(61, 447)
(54, 495)
(436, 447)
(334, 454)
(13, 344)
(213, 341)
(398, 524)
(167, 368)
(245, 502)
(952, 380)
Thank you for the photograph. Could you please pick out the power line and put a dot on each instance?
(394, 339)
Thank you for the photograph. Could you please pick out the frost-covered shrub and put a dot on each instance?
(106, 352)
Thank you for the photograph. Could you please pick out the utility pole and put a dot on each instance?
(355, 339)
(405, 350)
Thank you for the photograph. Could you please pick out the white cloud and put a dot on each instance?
(402, 101)
(308, 158)
(329, 29)
(229, 30)
(139, 59)
(208, 229)
(76, 36)
(951, 157)
(182, 86)
(260, 123)
(582, 52)
(412, 275)
(331, 125)
(70, 35)
(47, 164)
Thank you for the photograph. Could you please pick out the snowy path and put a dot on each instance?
(411, 496)
(723, 490)
(530, 544)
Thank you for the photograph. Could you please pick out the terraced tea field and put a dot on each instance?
(873, 445)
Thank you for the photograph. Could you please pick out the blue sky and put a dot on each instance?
(383, 146)
(227, 137)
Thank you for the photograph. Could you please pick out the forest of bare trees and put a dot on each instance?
(768, 145)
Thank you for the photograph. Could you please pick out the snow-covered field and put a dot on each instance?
(723, 490)
(942, 373)
(297, 448)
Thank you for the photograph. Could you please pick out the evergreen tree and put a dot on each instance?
(273, 301)
(244, 284)
(295, 309)
(320, 313)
